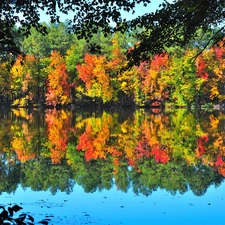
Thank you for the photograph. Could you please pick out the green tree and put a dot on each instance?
(58, 37)
(173, 24)
(74, 56)
(180, 78)
(36, 44)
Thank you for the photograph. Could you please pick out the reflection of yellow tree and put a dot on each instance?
(23, 113)
(215, 152)
(133, 140)
(22, 142)
(57, 133)
(21, 137)
(127, 141)
(180, 137)
(151, 128)
(6, 136)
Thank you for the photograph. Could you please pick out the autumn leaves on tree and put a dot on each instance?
(58, 87)
(176, 78)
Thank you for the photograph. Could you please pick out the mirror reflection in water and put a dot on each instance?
(115, 167)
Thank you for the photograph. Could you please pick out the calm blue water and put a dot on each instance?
(115, 207)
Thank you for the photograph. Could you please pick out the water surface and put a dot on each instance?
(123, 167)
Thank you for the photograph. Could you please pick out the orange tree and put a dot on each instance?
(97, 81)
(58, 87)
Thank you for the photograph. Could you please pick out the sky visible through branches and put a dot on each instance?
(140, 10)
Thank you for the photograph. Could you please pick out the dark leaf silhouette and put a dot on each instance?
(10, 210)
(4, 214)
(6, 217)
(30, 218)
(45, 221)
(16, 208)
(20, 219)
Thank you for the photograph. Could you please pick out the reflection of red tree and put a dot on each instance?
(160, 154)
(142, 149)
(220, 165)
(94, 143)
(201, 145)
(23, 156)
(219, 161)
(86, 144)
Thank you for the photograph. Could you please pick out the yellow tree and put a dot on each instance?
(5, 79)
(24, 79)
(124, 81)
(114, 65)
(17, 75)
(212, 63)
(146, 81)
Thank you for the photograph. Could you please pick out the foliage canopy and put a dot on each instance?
(173, 23)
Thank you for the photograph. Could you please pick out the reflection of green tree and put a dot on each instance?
(6, 134)
(42, 175)
(10, 175)
(122, 178)
(9, 166)
(180, 137)
(93, 175)
(173, 177)
(201, 177)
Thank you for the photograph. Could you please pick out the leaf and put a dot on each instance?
(45, 221)
(16, 208)
(10, 210)
(21, 218)
(4, 214)
(30, 218)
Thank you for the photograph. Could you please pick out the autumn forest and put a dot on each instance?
(171, 148)
(58, 70)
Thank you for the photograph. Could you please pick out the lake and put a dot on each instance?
(114, 167)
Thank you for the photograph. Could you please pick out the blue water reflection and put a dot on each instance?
(115, 207)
